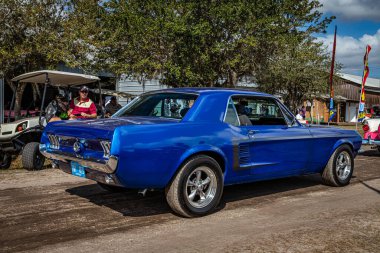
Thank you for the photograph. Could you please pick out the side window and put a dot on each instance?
(258, 111)
(231, 116)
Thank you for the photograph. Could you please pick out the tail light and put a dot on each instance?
(365, 128)
(54, 141)
(106, 145)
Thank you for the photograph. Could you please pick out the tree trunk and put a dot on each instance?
(232, 78)
(19, 92)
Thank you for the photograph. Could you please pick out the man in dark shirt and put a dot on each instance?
(112, 106)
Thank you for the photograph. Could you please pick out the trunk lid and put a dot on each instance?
(99, 128)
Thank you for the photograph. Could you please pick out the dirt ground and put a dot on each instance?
(50, 211)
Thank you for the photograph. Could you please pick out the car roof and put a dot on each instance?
(206, 90)
(57, 78)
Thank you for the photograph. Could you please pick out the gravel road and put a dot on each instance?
(50, 211)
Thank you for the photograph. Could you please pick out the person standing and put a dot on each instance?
(82, 107)
(303, 112)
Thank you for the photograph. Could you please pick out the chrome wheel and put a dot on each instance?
(201, 187)
(343, 165)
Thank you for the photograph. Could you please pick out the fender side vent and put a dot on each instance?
(244, 156)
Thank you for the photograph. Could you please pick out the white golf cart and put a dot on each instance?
(24, 135)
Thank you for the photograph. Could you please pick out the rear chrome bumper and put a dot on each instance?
(108, 166)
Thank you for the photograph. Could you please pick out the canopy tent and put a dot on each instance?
(56, 78)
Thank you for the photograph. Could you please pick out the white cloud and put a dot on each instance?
(353, 9)
(350, 52)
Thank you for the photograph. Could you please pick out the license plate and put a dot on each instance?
(77, 170)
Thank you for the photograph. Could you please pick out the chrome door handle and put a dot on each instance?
(251, 133)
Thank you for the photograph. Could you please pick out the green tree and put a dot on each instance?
(30, 38)
(297, 71)
(193, 43)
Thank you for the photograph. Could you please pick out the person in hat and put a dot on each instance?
(112, 106)
(82, 107)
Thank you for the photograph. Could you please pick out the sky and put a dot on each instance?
(358, 25)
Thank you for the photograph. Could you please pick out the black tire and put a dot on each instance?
(5, 160)
(378, 148)
(333, 176)
(177, 192)
(110, 188)
(32, 159)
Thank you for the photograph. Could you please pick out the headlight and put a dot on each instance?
(22, 126)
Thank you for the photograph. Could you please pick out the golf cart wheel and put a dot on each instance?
(5, 160)
(32, 159)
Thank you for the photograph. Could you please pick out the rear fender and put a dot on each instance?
(198, 150)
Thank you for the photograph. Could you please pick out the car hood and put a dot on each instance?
(324, 131)
(100, 128)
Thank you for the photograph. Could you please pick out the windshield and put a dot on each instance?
(166, 105)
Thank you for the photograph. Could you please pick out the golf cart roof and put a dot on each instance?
(57, 78)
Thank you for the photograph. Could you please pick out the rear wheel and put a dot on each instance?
(339, 169)
(197, 188)
(5, 160)
(32, 159)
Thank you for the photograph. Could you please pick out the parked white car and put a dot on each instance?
(371, 129)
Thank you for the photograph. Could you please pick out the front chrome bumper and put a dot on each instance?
(370, 142)
(108, 166)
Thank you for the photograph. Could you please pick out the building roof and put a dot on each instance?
(371, 82)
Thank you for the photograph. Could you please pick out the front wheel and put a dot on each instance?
(5, 160)
(32, 159)
(339, 169)
(197, 188)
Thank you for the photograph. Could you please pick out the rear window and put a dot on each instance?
(165, 105)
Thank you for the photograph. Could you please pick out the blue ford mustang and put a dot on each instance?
(191, 142)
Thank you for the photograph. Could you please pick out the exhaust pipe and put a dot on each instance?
(142, 192)
(54, 164)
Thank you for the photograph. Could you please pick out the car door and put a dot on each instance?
(276, 144)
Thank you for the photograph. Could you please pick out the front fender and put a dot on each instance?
(354, 145)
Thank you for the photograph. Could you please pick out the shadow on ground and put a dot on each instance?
(371, 153)
(129, 203)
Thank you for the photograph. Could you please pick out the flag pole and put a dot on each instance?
(331, 113)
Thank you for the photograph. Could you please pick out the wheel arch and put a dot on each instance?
(340, 143)
(211, 151)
